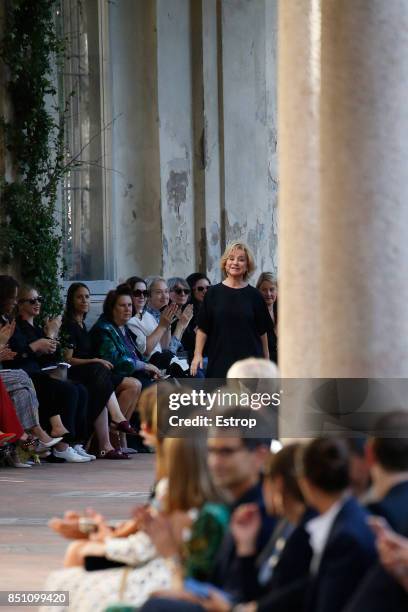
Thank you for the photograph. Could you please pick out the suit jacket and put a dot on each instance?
(394, 507)
(378, 592)
(348, 555)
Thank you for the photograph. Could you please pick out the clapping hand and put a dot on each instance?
(6, 332)
(52, 327)
(245, 525)
(186, 315)
(6, 354)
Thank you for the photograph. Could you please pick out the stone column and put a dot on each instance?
(344, 213)
(364, 188)
(298, 138)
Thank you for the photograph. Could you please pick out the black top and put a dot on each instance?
(78, 337)
(234, 321)
(26, 359)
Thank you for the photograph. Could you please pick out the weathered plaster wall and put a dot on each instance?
(248, 41)
(194, 138)
(136, 215)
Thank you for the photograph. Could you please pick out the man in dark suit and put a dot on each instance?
(387, 454)
(342, 542)
(388, 458)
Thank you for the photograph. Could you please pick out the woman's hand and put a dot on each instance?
(151, 369)
(68, 526)
(104, 362)
(6, 332)
(245, 525)
(158, 528)
(6, 354)
(44, 346)
(186, 315)
(215, 603)
(196, 363)
(52, 327)
(168, 315)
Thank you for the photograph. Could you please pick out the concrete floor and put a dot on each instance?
(30, 497)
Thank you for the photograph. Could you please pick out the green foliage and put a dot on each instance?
(30, 233)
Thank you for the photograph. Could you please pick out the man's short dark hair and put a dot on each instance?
(251, 439)
(326, 464)
(390, 443)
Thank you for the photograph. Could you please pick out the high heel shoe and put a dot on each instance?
(124, 427)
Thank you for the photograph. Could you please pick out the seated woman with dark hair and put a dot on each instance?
(113, 341)
(35, 349)
(95, 373)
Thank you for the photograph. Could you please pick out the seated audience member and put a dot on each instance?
(277, 578)
(385, 587)
(179, 293)
(199, 284)
(158, 299)
(176, 543)
(342, 542)
(63, 404)
(113, 341)
(268, 286)
(18, 384)
(70, 526)
(393, 552)
(95, 373)
(387, 455)
(153, 339)
(21, 390)
(360, 479)
(235, 463)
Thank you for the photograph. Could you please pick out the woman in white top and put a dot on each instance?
(154, 338)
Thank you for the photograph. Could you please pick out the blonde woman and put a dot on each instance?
(268, 286)
(176, 542)
(233, 320)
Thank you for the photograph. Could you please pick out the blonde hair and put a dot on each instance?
(150, 402)
(190, 484)
(232, 246)
(266, 276)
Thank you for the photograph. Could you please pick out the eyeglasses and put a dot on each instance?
(139, 293)
(32, 301)
(200, 288)
(180, 291)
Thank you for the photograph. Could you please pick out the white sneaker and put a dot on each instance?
(79, 449)
(70, 455)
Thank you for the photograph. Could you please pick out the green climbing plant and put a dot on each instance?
(30, 233)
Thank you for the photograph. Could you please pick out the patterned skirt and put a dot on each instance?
(21, 390)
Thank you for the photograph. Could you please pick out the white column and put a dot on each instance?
(364, 213)
(298, 138)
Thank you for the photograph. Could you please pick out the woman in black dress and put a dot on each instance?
(268, 286)
(233, 320)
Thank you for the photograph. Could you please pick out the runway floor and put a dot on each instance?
(30, 497)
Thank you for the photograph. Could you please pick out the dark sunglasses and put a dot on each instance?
(139, 293)
(180, 291)
(32, 301)
(201, 289)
